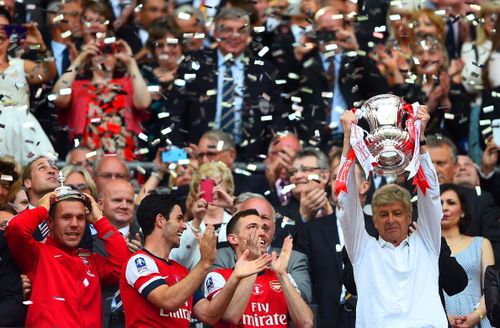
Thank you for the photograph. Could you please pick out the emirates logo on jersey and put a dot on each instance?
(257, 289)
(275, 285)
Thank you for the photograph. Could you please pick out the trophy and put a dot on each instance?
(64, 192)
(389, 139)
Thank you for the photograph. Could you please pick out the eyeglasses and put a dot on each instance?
(305, 169)
(209, 154)
(79, 186)
(226, 31)
(109, 176)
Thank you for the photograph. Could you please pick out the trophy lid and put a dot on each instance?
(64, 192)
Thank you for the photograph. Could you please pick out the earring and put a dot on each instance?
(462, 215)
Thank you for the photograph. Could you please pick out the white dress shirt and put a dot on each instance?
(397, 286)
(339, 104)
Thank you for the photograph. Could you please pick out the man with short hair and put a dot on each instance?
(217, 145)
(281, 151)
(108, 168)
(159, 292)
(66, 280)
(383, 266)
(466, 174)
(117, 204)
(268, 298)
(78, 156)
(297, 267)
(39, 177)
(229, 89)
(484, 212)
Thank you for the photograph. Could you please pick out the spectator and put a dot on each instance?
(490, 178)
(491, 292)
(204, 213)
(250, 108)
(78, 178)
(136, 34)
(309, 175)
(278, 163)
(104, 110)
(18, 198)
(12, 310)
(164, 45)
(337, 81)
(159, 292)
(39, 177)
(381, 301)
(439, 87)
(466, 174)
(466, 308)
(297, 267)
(81, 156)
(485, 212)
(427, 23)
(8, 176)
(18, 141)
(259, 300)
(62, 291)
(217, 145)
(108, 168)
(191, 22)
(117, 204)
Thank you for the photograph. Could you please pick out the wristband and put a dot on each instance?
(481, 316)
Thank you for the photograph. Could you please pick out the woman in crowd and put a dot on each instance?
(164, 43)
(467, 308)
(79, 179)
(104, 103)
(21, 135)
(215, 213)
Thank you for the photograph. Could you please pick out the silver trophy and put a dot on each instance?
(388, 139)
(65, 192)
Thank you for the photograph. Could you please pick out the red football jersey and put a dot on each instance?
(266, 306)
(141, 274)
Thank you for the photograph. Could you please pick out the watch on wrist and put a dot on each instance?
(423, 142)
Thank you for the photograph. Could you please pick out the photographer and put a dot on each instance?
(108, 98)
(335, 75)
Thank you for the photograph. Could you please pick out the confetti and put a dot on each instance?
(478, 190)
(488, 109)
(263, 51)
(6, 177)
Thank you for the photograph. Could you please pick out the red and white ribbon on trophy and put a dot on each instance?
(360, 151)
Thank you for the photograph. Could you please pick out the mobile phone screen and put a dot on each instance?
(495, 125)
(207, 186)
(173, 155)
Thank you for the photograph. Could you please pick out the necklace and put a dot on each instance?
(457, 242)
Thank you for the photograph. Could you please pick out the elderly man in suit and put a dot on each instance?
(228, 88)
(297, 267)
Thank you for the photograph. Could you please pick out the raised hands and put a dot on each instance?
(246, 267)
(208, 246)
(280, 264)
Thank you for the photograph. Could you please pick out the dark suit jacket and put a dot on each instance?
(297, 267)
(318, 239)
(359, 80)
(194, 110)
(485, 217)
(108, 292)
(492, 294)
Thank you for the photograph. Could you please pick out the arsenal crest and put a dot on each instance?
(275, 285)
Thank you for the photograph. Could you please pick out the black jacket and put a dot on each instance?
(492, 294)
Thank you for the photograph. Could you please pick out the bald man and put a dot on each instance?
(109, 168)
(116, 200)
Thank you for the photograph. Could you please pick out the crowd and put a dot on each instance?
(200, 145)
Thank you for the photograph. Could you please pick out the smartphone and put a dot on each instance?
(207, 186)
(495, 125)
(15, 30)
(173, 155)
